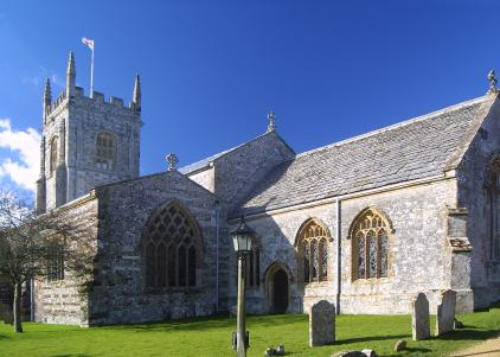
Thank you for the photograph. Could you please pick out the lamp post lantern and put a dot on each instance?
(242, 242)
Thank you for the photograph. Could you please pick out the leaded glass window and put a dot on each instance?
(313, 251)
(172, 248)
(323, 252)
(370, 246)
(105, 151)
(55, 262)
(360, 238)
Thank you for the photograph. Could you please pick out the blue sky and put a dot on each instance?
(211, 70)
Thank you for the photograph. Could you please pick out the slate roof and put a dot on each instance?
(413, 149)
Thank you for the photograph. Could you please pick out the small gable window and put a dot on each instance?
(105, 151)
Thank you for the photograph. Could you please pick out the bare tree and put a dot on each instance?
(41, 246)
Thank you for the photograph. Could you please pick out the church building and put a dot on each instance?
(366, 223)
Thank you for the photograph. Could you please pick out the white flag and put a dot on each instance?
(88, 42)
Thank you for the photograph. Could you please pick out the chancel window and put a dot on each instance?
(494, 208)
(370, 246)
(313, 251)
(172, 249)
(53, 154)
(105, 151)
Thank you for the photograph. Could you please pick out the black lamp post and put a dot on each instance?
(242, 241)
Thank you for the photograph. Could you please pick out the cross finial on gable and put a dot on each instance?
(492, 78)
(272, 122)
(172, 160)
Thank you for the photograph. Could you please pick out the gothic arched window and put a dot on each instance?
(105, 151)
(53, 154)
(370, 245)
(172, 248)
(313, 251)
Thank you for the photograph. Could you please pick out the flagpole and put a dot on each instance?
(92, 72)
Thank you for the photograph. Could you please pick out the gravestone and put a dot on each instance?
(420, 327)
(322, 324)
(445, 318)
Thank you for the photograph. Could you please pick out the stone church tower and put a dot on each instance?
(86, 142)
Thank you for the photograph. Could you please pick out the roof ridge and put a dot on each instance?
(397, 125)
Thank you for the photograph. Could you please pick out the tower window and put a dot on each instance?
(105, 151)
(53, 154)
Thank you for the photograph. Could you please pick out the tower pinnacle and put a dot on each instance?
(70, 75)
(47, 97)
(136, 97)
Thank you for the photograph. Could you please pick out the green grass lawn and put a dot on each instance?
(212, 337)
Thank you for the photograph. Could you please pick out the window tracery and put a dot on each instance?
(105, 151)
(313, 251)
(370, 246)
(172, 249)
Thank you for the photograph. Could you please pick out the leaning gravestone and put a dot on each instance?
(322, 324)
(445, 318)
(420, 326)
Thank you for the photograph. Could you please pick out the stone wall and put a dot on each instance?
(64, 301)
(205, 178)
(418, 251)
(473, 196)
(240, 170)
(119, 293)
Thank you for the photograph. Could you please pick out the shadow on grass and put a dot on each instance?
(208, 323)
(368, 339)
(464, 334)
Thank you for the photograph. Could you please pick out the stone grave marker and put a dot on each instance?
(322, 324)
(420, 326)
(445, 318)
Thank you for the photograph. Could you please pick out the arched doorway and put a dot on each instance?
(280, 292)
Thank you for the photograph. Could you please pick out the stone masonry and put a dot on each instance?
(425, 182)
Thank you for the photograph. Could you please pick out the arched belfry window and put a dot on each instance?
(105, 151)
(493, 186)
(370, 245)
(53, 153)
(172, 248)
(312, 247)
